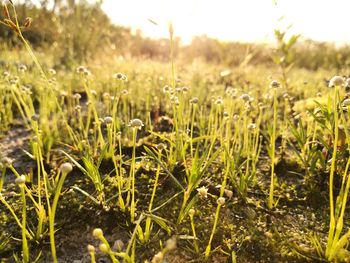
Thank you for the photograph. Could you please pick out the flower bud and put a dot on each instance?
(97, 233)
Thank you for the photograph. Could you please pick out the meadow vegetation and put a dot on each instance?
(119, 148)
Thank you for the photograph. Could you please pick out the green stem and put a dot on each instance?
(273, 139)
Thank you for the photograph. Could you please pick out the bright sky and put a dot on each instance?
(244, 20)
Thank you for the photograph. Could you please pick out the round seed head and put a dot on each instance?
(166, 89)
(274, 84)
(80, 69)
(97, 233)
(22, 68)
(90, 248)
(245, 97)
(93, 92)
(347, 82)
(228, 193)
(191, 212)
(7, 161)
(219, 102)
(221, 200)
(346, 103)
(136, 123)
(103, 248)
(66, 168)
(108, 120)
(20, 180)
(77, 96)
(194, 100)
(52, 71)
(336, 81)
(158, 258)
(203, 192)
(120, 76)
(251, 126)
(170, 244)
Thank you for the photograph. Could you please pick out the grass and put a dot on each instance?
(221, 167)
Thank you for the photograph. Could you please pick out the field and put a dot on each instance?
(134, 159)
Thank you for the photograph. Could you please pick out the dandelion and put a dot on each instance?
(136, 123)
(336, 81)
(203, 192)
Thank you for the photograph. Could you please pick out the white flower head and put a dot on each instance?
(136, 123)
(203, 192)
(336, 81)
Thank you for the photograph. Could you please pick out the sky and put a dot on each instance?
(235, 20)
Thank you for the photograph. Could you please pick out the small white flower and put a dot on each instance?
(108, 120)
(274, 84)
(228, 193)
(158, 258)
(20, 180)
(136, 123)
(66, 168)
(203, 192)
(336, 81)
(221, 200)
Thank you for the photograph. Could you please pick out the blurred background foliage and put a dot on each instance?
(78, 30)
